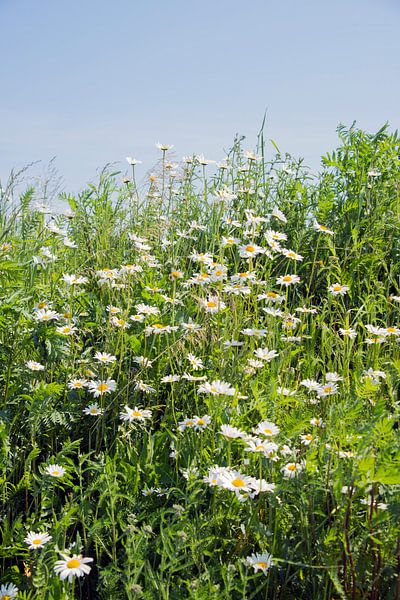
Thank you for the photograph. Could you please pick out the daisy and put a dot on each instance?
(306, 439)
(8, 591)
(212, 305)
(311, 384)
(216, 388)
(391, 331)
(135, 414)
(70, 566)
(291, 254)
(190, 377)
(235, 481)
(146, 309)
(349, 332)
(333, 376)
(258, 333)
(228, 242)
(45, 315)
(232, 433)
(93, 410)
(278, 214)
(159, 329)
(66, 330)
(170, 378)
(305, 310)
(201, 423)
(267, 428)
(34, 366)
(69, 243)
(250, 250)
(287, 280)
(186, 424)
(77, 384)
(113, 310)
(260, 562)
(259, 445)
(322, 228)
(133, 161)
(271, 297)
(105, 358)
(164, 147)
(140, 386)
(275, 236)
(285, 391)
(327, 389)
(55, 471)
(74, 279)
(265, 354)
(174, 275)
(120, 323)
(99, 387)
(213, 476)
(317, 422)
(36, 540)
(337, 289)
(137, 318)
(291, 469)
(195, 362)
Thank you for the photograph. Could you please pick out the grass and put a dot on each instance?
(190, 461)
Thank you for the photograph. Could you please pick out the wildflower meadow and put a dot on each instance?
(199, 381)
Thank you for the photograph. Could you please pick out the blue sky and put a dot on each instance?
(91, 82)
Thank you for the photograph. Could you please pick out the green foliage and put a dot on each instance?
(137, 491)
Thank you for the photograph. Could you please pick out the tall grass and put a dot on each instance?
(173, 504)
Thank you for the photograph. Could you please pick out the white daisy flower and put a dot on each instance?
(99, 387)
(72, 566)
(55, 470)
(135, 414)
(260, 562)
(36, 540)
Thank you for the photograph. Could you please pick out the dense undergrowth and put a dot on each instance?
(199, 382)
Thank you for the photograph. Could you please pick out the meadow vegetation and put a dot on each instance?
(199, 383)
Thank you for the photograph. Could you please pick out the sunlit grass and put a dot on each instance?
(199, 383)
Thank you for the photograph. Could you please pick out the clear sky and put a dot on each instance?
(92, 82)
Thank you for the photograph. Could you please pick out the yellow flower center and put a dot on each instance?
(391, 329)
(291, 468)
(260, 447)
(262, 565)
(268, 431)
(37, 541)
(55, 473)
(242, 274)
(291, 254)
(102, 387)
(211, 304)
(42, 304)
(74, 563)
(287, 278)
(250, 248)
(238, 482)
(136, 413)
(272, 294)
(218, 273)
(175, 274)
(337, 288)
(201, 422)
(5, 597)
(158, 326)
(323, 228)
(309, 436)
